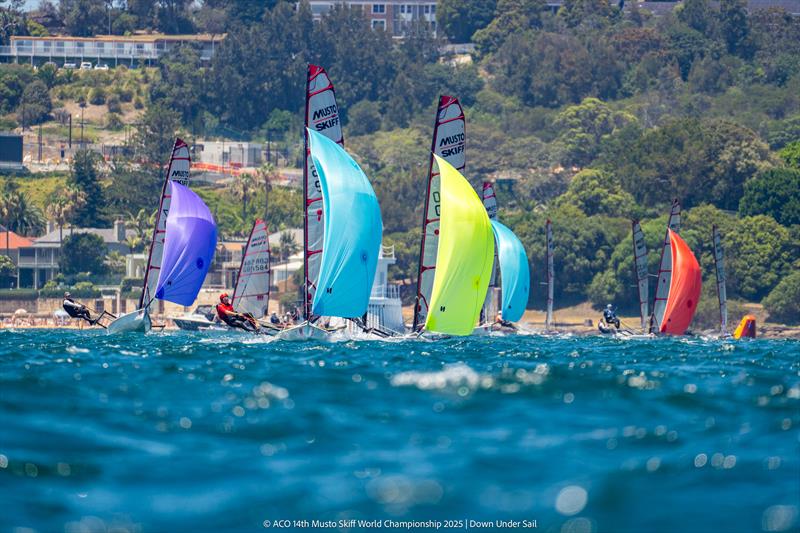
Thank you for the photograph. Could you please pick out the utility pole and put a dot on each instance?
(40, 142)
(70, 130)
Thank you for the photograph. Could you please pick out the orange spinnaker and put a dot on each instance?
(684, 289)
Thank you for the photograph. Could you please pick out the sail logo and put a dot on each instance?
(452, 145)
(326, 124)
(325, 117)
(181, 176)
(324, 112)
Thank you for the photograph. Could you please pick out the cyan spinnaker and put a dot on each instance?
(353, 230)
(464, 259)
(189, 244)
(515, 274)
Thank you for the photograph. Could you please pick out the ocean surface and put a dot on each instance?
(181, 432)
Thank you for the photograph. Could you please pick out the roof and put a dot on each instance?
(109, 235)
(14, 241)
(138, 38)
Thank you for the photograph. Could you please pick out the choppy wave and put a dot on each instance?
(178, 431)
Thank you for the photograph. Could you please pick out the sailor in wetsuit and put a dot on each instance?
(227, 314)
(610, 317)
(76, 310)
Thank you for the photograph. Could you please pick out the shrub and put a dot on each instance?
(783, 303)
(114, 121)
(113, 104)
(138, 103)
(97, 96)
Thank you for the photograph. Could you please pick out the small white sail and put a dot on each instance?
(665, 268)
(322, 116)
(251, 294)
(548, 322)
(719, 264)
(449, 141)
(492, 303)
(640, 270)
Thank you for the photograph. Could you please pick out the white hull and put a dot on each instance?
(304, 332)
(138, 321)
(192, 322)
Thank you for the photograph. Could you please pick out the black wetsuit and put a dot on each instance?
(76, 310)
(610, 318)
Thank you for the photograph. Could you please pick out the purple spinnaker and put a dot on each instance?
(189, 245)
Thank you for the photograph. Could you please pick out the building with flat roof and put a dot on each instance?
(112, 50)
(393, 16)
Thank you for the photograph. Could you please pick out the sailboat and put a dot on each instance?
(251, 292)
(551, 274)
(463, 258)
(177, 171)
(665, 268)
(719, 270)
(187, 250)
(351, 244)
(514, 272)
(448, 144)
(684, 288)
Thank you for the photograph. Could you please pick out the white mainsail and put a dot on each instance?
(491, 305)
(251, 294)
(719, 264)
(449, 142)
(548, 321)
(640, 270)
(322, 115)
(665, 268)
(178, 171)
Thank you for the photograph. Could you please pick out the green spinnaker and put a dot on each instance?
(464, 259)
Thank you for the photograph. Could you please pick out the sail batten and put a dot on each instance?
(514, 272)
(352, 244)
(665, 267)
(448, 143)
(640, 271)
(177, 171)
(321, 116)
(251, 293)
(188, 247)
(464, 257)
(719, 270)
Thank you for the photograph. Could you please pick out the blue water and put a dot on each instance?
(175, 432)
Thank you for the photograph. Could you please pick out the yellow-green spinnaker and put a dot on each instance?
(464, 259)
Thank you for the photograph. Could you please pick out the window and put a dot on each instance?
(378, 8)
(433, 8)
(402, 8)
(379, 24)
(427, 9)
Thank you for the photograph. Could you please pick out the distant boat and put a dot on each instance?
(189, 241)
(719, 270)
(551, 274)
(449, 143)
(493, 294)
(684, 287)
(640, 271)
(464, 256)
(665, 268)
(514, 272)
(351, 239)
(177, 171)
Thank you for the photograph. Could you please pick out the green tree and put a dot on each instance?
(697, 14)
(61, 207)
(155, 135)
(584, 126)
(241, 187)
(181, 84)
(142, 224)
(734, 26)
(35, 103)
(84, 18)
(791, 154)
(773, 192)
(459, 19)
(596, 193)
(83, 252)
(783, 302)
(511, 16)
(85, 177)
(762, 254)
(8, 271)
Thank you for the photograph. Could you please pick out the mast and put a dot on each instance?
(321, 115)
(449, 138)
(490, 306)
(719, 269)
(548, 322)
(177, 170)
(665, 268)
(640, 271)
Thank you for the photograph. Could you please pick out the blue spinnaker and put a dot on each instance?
(353, 230)
(189, 244)
(514, 272)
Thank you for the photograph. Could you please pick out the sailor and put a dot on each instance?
(505, 323)
(274, 320)
(610, 316)
(228, 315)
(76, 310)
